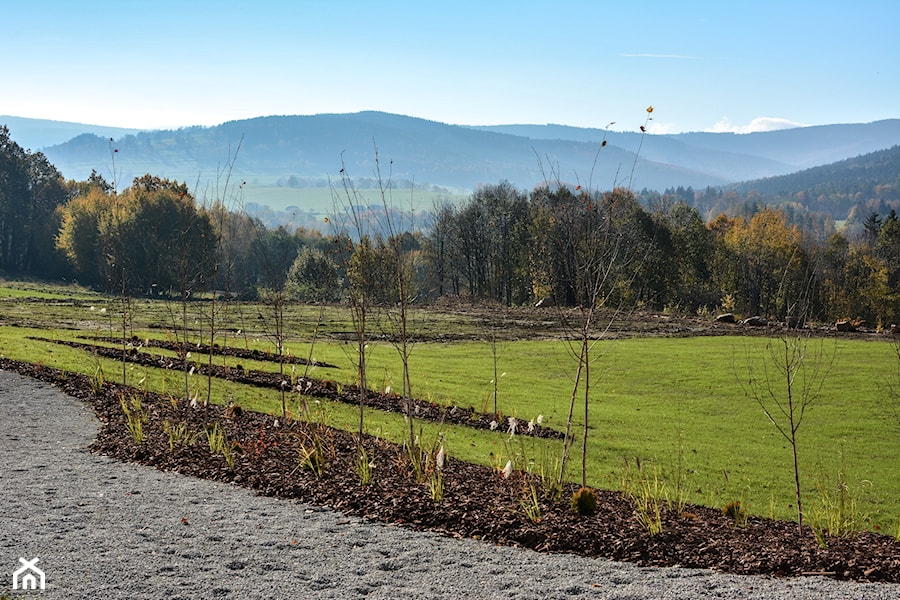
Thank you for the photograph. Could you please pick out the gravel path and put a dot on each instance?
(104, 529)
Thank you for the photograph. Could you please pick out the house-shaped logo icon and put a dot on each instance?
(28, 576)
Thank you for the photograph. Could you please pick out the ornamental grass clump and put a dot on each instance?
(179, 434)
(836, 514)
(135, 417)
(97, 380)
(316, 448)
(363, 465)
(646, 495)
(585, 502)
(219, 442)
(312, 457)
(736, 513)
(530, 501)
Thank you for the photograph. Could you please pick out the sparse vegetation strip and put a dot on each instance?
(216, 350)
(318, 388)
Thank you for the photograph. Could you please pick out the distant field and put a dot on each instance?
(675, 404)
(320, 201)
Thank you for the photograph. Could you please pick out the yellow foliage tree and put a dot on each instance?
(766, 263)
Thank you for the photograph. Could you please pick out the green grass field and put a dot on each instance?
(675, 404)
(320, 201)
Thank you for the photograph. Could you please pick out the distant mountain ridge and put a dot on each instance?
(778, 152)
(463, 157)
(869, 182)
(321, 145)
(845, 176)
(37, 134)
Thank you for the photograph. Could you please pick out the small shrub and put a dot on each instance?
(735, 513)
(585, 501)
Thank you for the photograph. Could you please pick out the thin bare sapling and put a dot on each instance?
(389, 223)
(352, 230)
(786, 378)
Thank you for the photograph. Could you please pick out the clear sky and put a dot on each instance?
(719, 65)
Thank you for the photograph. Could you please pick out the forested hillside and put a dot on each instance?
(732, 156)
(500, 245)
(866, 183)
(307, 150)
(313, 148)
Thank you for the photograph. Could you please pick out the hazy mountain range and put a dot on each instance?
(311, 149)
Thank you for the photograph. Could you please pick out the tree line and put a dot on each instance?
(501, 245)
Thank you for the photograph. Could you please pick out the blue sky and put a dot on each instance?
(719, 65)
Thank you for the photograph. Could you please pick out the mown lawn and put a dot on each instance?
(675, 405)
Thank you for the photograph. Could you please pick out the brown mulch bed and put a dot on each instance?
(477, 502)
(317, 388)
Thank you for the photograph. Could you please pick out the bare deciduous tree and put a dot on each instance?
(787, 378)
(389, 224)
(351, 220)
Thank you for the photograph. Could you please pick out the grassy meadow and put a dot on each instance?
(674, 405)
(319, 200)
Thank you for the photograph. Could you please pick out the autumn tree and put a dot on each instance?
(143, 230)
(887, 249)
(765, 263)
(691, 247)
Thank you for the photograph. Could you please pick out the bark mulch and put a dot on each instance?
(477, 501)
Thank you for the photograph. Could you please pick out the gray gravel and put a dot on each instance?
(103, 529)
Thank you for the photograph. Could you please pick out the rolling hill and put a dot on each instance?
(736, 157)
(871, 180)
(319, 146)
(306, 151)
(37, 134)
